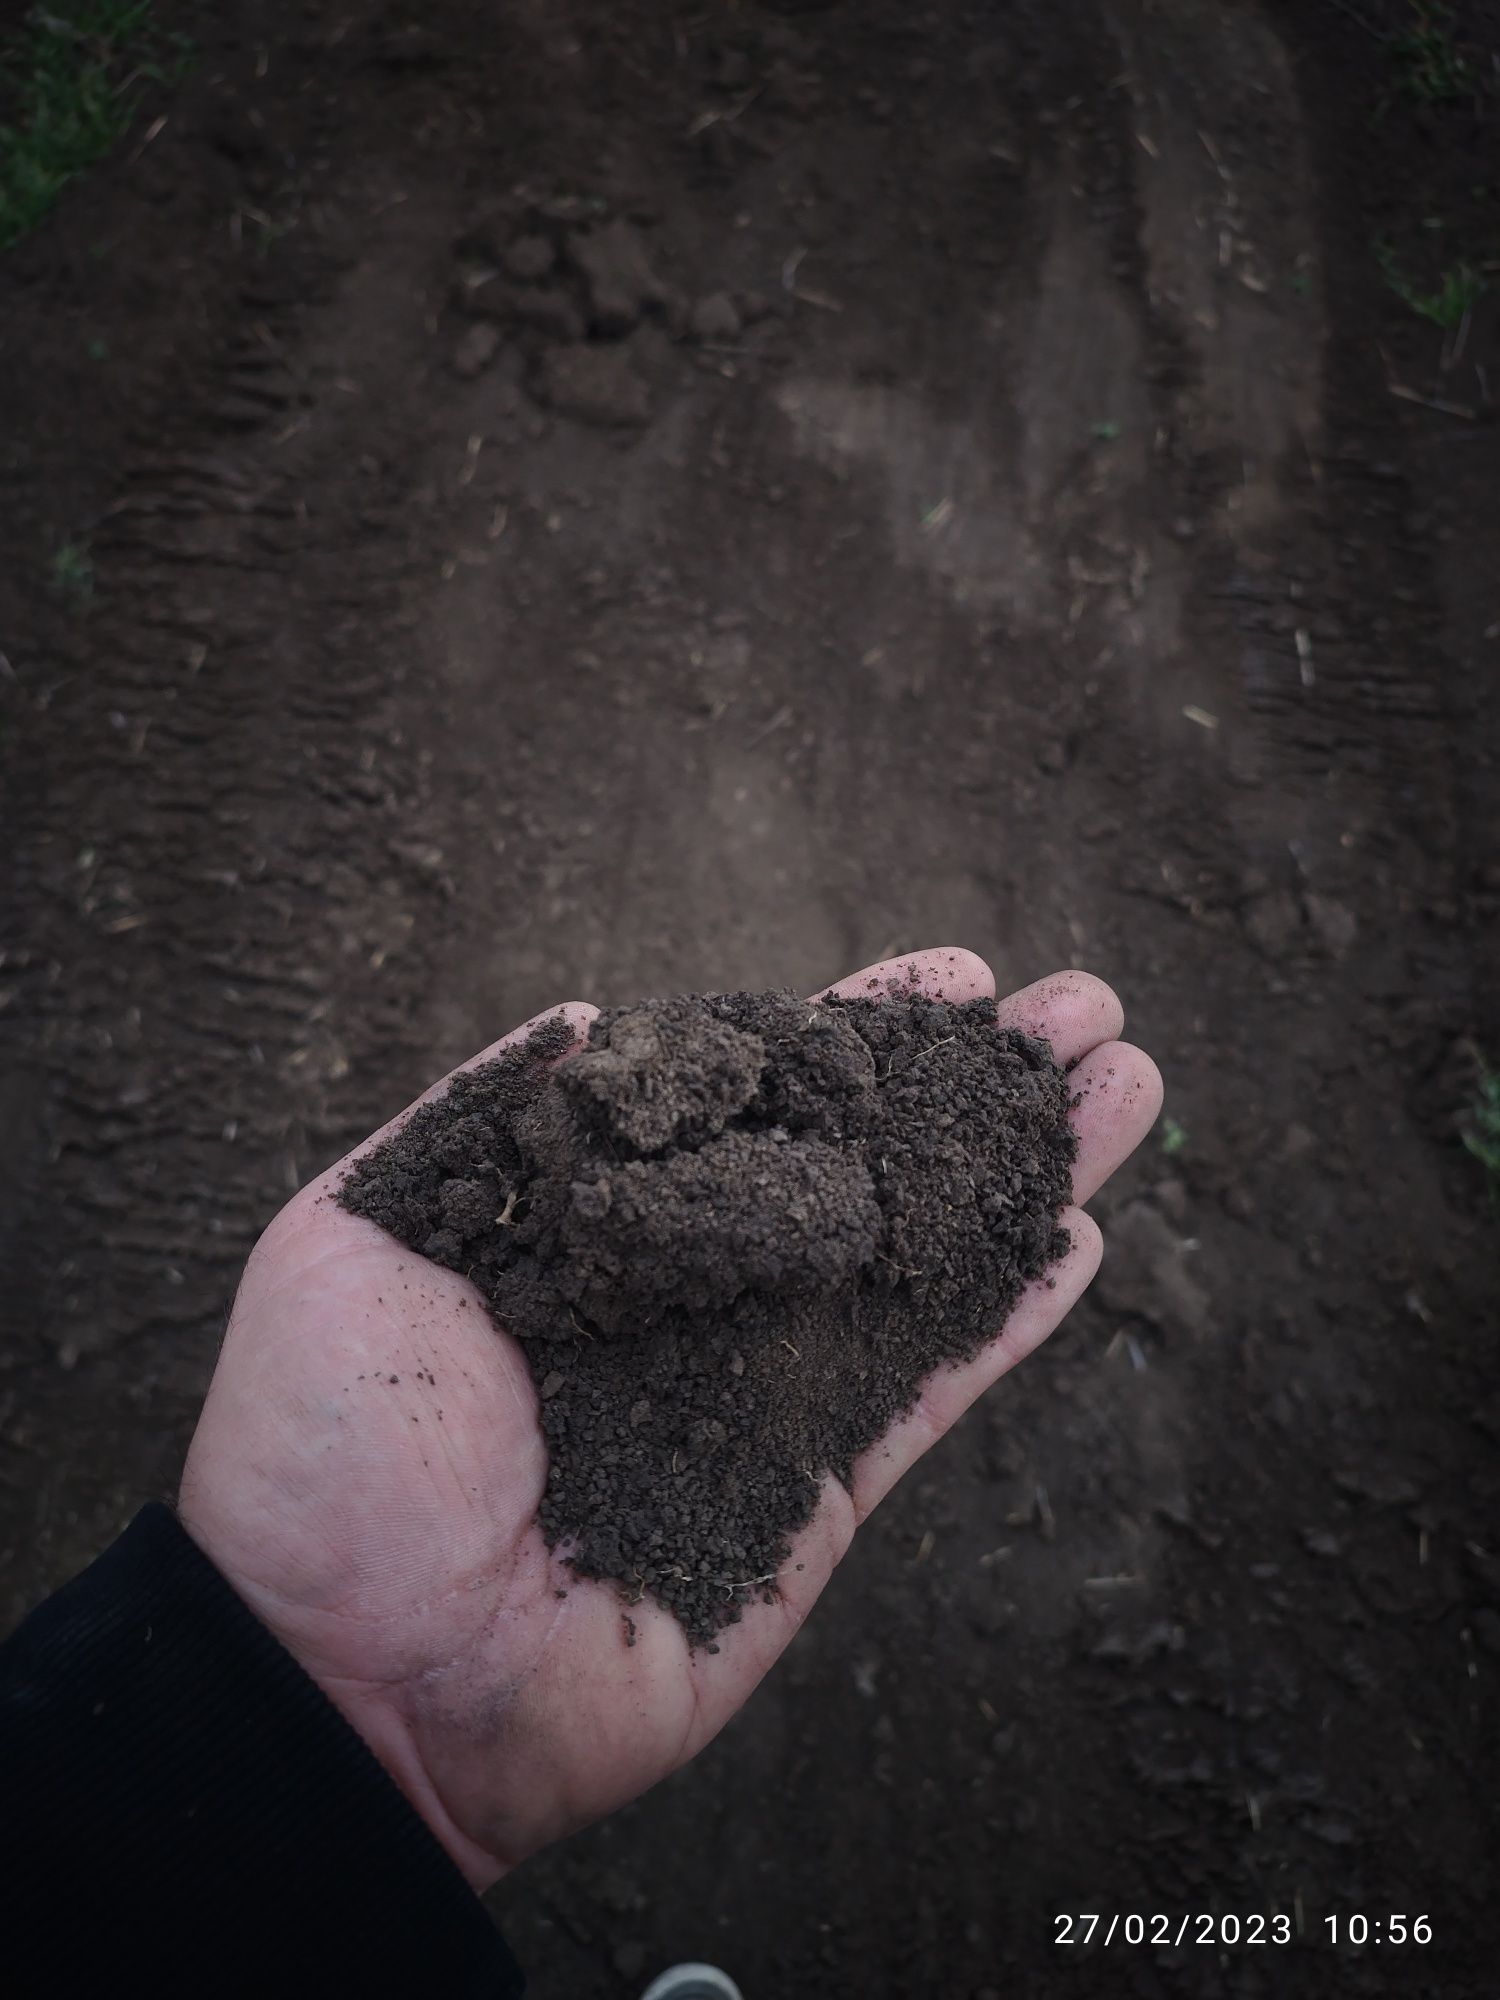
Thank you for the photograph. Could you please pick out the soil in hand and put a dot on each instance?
(734, 1235)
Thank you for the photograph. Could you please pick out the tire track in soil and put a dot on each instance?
(203, 860)
(881, 629)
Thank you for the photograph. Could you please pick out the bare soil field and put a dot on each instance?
(580, 501)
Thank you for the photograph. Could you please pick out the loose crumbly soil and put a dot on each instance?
(999, 527)
(734, 1235)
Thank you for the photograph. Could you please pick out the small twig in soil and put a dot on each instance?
(1438, 403)
(893, 1071)
(1214, 154)
(737, 110)
(779, 720)
(1461, 338)
(729, 1583)
(503, 1219)
(794, 1351)
(1443, 407)
(1353, 13)
(905, 1269)
(153, 131)
(803, 292)
(749, 1582)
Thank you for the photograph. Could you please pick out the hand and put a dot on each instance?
(395, 1551)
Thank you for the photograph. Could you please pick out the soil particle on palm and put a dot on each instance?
(734, 1235)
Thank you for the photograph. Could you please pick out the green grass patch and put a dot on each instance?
(71, 79)
(1431, 67)
(72, 573)
(1458, 289)
(1481, 1129)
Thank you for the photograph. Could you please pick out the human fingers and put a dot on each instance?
(1072, 1010)
(1115, 1097)
(945, 973)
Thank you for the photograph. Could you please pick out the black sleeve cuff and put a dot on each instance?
(185, 1812)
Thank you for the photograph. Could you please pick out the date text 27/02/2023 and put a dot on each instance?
(1095, 1928)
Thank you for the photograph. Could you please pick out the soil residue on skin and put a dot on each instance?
(734, 1235)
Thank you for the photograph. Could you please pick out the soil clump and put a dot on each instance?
(734, 1234)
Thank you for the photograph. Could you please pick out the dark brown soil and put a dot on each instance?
(1032, 412)
(734, 1235)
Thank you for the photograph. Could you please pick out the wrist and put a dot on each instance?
(373, 1713)
(389, 1736)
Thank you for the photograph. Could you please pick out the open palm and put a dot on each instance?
(369, 1463)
